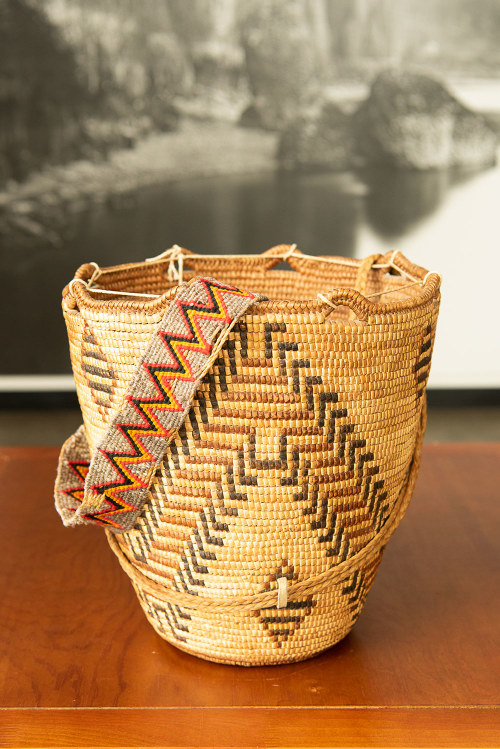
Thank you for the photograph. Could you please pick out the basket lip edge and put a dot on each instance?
(429, 291)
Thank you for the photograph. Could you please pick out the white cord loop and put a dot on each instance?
(174, 254)
(76, 280)
(95, 275)
(289, 252)
(392, 264)
(107, 291)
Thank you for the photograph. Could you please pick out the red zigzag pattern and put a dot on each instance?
(114, 496)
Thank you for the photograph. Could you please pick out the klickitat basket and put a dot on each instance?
(251, 437)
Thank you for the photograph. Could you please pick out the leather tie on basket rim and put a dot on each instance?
(313, 584)
(188, 339)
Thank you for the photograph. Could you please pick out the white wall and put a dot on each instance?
(462, 242)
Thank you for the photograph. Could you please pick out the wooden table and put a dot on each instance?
(81, 667)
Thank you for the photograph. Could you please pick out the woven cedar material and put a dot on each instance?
(76, 458)
(296, 451)
(193, 328)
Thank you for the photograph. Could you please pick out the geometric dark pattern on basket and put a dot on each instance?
(366, 497)
(167, 616)
(138, 438)
(422, 367)
(328, 511)
(356, 588)
(280, 624)
(100, 377)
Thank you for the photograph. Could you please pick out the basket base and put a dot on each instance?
(265, 637)
(245, 662)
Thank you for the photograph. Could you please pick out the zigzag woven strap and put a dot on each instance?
(181, 351)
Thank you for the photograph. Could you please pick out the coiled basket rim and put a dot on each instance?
(79, 295)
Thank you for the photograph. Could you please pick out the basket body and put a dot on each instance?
(295, 453)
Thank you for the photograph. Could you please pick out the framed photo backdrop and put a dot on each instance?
(345, 127)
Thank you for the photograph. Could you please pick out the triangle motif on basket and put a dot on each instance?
(281, 624)
(98, 373)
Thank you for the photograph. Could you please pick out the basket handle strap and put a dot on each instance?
(191, 333)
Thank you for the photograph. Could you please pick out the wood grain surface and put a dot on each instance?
(79, 667)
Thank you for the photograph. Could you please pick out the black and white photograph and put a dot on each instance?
(249, 258)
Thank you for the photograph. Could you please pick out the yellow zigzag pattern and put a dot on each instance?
(164, 376)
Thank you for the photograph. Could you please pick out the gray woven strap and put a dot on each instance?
(113, 486)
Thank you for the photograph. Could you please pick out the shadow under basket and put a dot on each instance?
(251, 437)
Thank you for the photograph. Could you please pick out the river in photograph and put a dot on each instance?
(443, 221)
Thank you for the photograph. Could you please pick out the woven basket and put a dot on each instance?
(257, 525)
